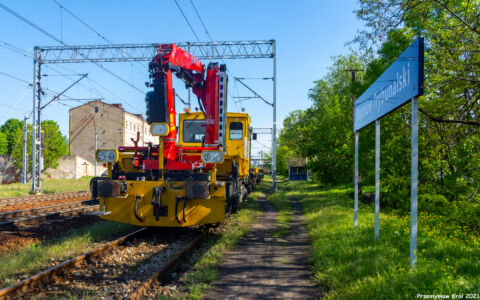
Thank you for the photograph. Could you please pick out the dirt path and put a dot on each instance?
(265, 267)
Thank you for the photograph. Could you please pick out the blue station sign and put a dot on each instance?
(402, 81)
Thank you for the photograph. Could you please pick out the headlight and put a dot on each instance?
(159, 129)
(212, 157)
(106, 155)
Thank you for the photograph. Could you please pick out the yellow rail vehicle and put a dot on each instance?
(194, 178)
(207, 197)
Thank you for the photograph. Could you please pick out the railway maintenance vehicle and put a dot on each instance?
(196, 178)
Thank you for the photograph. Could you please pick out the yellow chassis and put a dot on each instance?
(197, 211)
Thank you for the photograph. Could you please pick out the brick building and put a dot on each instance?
(115, 127)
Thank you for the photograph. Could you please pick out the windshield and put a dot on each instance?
(236, 131)
(193, 131)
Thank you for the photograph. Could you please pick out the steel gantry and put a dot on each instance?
(256, 49)
(262, 130)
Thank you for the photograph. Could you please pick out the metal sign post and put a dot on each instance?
(355, 202)
(400, 83)
(377, 179)
(414, 184)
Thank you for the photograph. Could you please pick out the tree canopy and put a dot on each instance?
(10, 130)
(449, 135)
(11, 142)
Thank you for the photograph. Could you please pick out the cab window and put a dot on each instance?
(193, 131)
(236, 131)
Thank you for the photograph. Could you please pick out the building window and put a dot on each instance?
(236, 131)
(96, 109)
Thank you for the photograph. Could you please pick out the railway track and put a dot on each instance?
(84, 195)
(124, 268)
(39, 215)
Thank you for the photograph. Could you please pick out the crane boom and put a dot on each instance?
(206, 85)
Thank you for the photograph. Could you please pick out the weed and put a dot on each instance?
(49, 186)
(36, 257)
(349, 264)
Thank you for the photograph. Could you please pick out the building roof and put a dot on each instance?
(296, 162)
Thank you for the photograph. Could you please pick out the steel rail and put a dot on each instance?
(50, 274)
(43, 209)
(43, 198)
(42, 218)
(139, 292)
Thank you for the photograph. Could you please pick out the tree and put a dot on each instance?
(450, 109)
(3, 144)
(54, 145)
(323, 133)
(10, 130)
(452, 66)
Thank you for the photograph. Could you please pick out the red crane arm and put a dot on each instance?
(171, 55)
(171, 58)
(205, 85)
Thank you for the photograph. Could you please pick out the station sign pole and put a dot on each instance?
(355, 214)
(402, 82)
(414, 184)
(377, 179)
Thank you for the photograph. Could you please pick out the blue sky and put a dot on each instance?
(308, 34)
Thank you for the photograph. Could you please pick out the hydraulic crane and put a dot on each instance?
(208, 85)
(148, 180)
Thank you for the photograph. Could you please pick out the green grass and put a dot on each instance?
(349, 264)
(36, 257)
(283, 205)
(49, 186)
(205, 272)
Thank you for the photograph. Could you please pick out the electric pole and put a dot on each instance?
(24, 160)
(354, 75)
(95, 152)
(274, 129)
(355, 166)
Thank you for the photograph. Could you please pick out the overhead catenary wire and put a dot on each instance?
(201, 20)
(64, 44)
(87, 25)
(14, 107)
(62, 92)
(25, 81)
(15, 77)
(53, 94)
(211, 39)
(188, 22)
(103, 37)
(268, 147)
(25, 53)
(13, 48)
(196, 36)
(83, 22)
(255, 93)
